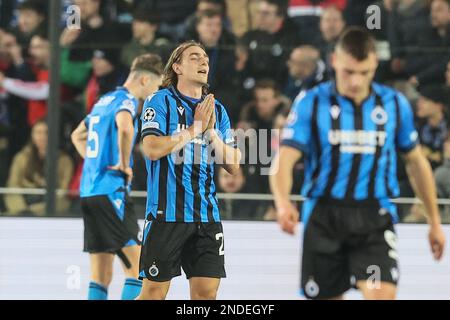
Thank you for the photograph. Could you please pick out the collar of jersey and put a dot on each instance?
(122, 88)
(182, 97)
(336, 93)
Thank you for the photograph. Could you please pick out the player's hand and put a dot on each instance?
(212, 119)
(2, 78)
(287, 217)
(127, 171)
(436, 237)
(203, 112)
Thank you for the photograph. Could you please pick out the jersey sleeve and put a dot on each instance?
(406, 137)
(224, 127)
(297, 131)
(154, 116)
(128, 105)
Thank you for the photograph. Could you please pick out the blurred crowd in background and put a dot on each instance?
(262, 53)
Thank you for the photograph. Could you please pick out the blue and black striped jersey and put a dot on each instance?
(180, 186)
(350, 151)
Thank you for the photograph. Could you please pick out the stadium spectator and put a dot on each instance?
(306, 15)
(173, 15)
(427, 65)
(219, 44)
(238, 209)
(145, 38)
(306, 70)
(431, 107)
(355, 12)
(95, 32)
(35, 91)
(442, 176)
(408, 18)
(268, 46)
(16, 124)
(27, 171)
(331, 25)
(381, 35)
(202, 6)
(261, 114)
(107, 74)
(31, 20)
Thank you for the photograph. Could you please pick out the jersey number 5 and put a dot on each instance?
(93, 142)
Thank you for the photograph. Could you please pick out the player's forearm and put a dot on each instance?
(125, 141)
(422, 180)
(157, 147)
(79, 139)
(226, 155)
(280, 180)
(80, 146)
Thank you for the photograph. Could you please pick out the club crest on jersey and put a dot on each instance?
(379, 116)
(149, 114)
(335, 111)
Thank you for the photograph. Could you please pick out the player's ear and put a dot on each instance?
(176, 68)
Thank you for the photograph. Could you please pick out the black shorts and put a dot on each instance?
(167, 247)
(110, 223)
(344, 244)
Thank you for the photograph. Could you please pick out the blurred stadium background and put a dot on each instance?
(263, 53)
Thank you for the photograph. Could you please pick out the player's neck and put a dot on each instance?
(132, 89)
(356, 100)
(189, 90)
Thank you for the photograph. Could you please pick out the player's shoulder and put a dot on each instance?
(306, 98)
(388, 93)
(159, 96)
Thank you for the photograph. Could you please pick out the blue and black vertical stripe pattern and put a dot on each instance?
(181, 185)
(350, 151)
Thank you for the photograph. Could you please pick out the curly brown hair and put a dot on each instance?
(170, 77)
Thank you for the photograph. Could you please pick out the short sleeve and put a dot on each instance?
(224, 127)
(297, 131)
(406, 137)
(128, 105)
(154, 116)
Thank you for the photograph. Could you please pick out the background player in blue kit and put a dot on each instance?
(349, 131)
(183, 227)
(105, 140)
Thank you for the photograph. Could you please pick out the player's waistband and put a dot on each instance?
(350, 202)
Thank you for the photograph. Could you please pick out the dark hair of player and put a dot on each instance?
(148, 63)
(357, 42)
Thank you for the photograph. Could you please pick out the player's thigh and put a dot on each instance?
(101, 267)
(202, 288)
(374, 265)
(153, 290)
(381, 291)
(203, 255)
(129, 258)
(162, 247)
(324, 273)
